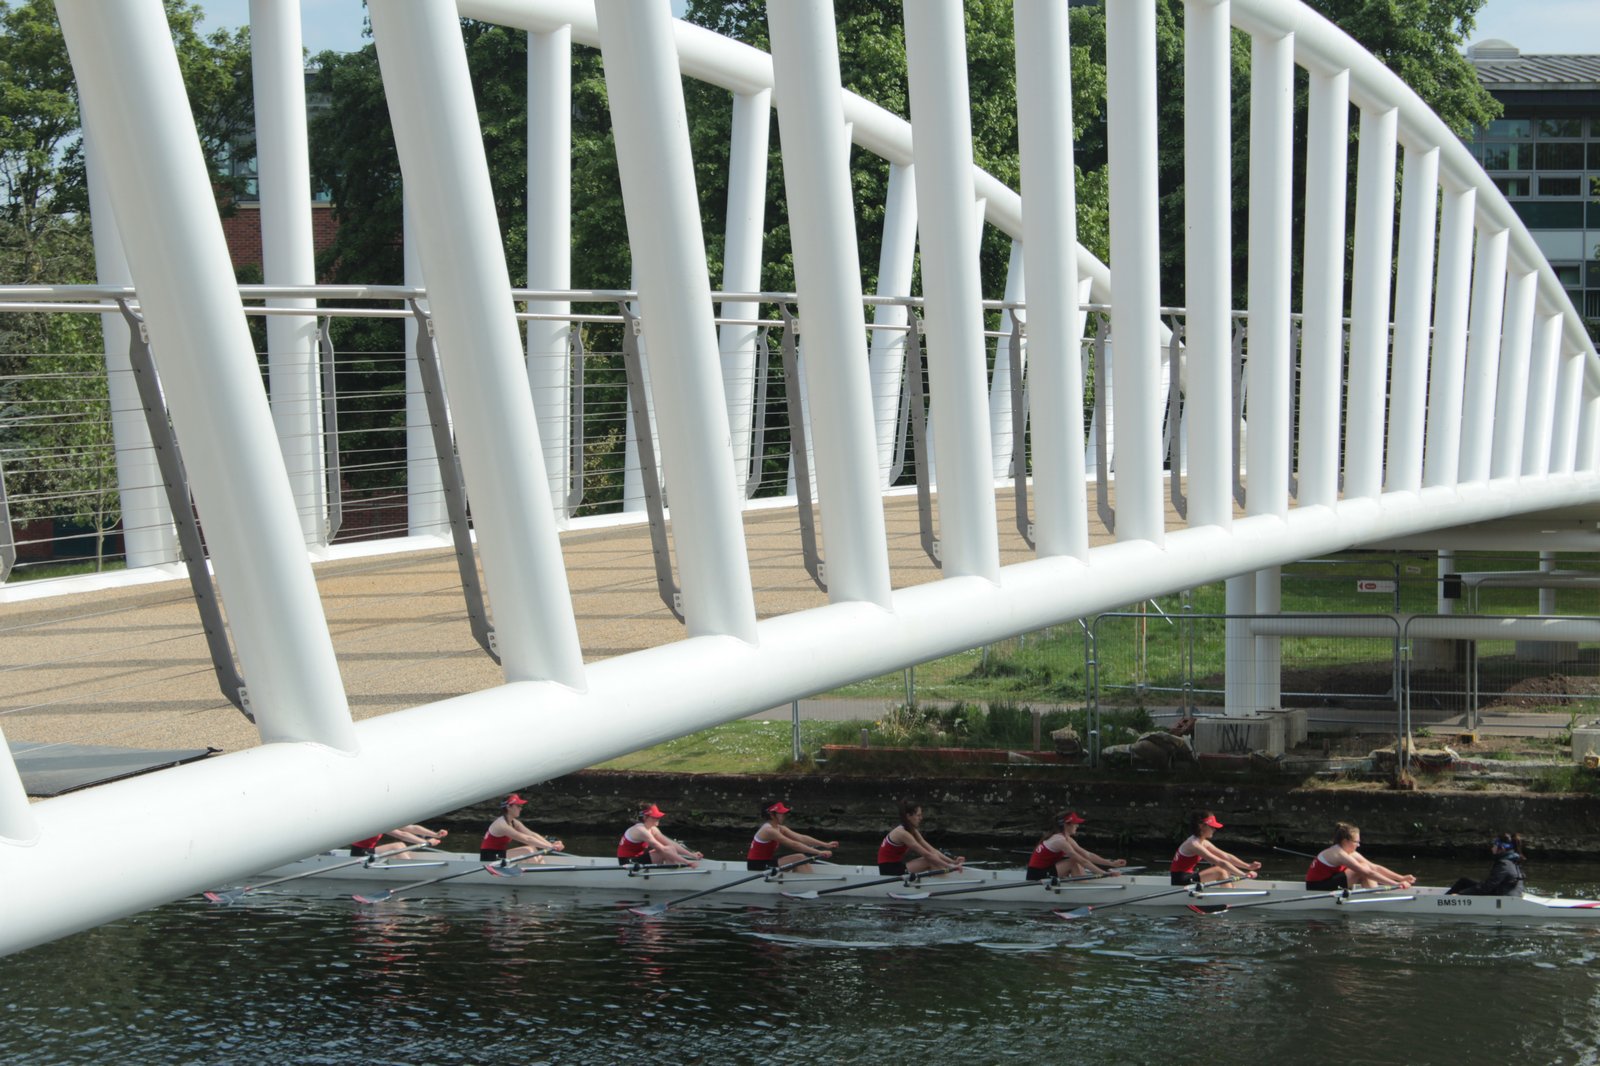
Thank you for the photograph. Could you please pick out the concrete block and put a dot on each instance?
(1240, 735)
(1585, 742)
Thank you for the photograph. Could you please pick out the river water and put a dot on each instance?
(515, 976)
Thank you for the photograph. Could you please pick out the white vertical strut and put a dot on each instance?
(1370, 277)
(1568, 402)
(1239, 667)
(741, 267)
(284, 176)
(1541, 391)
(888, 353)
(1322, 332)
(441, 157)
(148, 535)
(1271, 169)
(17, 823)
(549, 217)
(1136, 281)
(425, 505)
(1483, 355)
(1442, 454)
(1001, 445)
(1511, 396)
(1050, 228)
(134, 102)
(942, 143)
(816, 174)
(1208, 259)
(1408, 389)
(663, 212)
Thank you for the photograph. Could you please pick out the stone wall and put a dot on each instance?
(1016, 811)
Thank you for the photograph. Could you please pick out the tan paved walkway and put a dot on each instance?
(130, 667)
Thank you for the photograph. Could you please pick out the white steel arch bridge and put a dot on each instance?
(1465, 391)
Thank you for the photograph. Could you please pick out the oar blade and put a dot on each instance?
(812, 894)
(1075, 913)
(379, 898)
(909, 895)
(654, 910)
(1209, 908)
(231, 895)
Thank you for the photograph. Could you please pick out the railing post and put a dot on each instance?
(1370, 278)
(658, 193)
(1136, 283)
(942, 143)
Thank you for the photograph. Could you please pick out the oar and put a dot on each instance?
(1044, 882)
(661, 908)
(1222, 908)
(814, 893)
(1085, 911)
(1297, 854)
(393, 892)
(518, 871)
(233, 895)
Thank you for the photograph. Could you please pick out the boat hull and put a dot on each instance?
(602, 876)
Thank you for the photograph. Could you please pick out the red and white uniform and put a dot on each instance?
(1043, 858)
(494, 843)
(1321, 871)
(1184, 864)
(629, 848)
(762, 850)
(889, 851)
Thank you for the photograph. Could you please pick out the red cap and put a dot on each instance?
(1211, 820)
(779, 808)
(652, 811)
(514, 800)
(1074, 818)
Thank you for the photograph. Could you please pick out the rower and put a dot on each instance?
(645, 842)
(508, 828)
(763, 854)
(406, 838)
(906, 838)
(1339, 866)
(1203, 825)
(1059, 855)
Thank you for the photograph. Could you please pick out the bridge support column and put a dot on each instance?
(549, 217)
(1511, 395)
(148, 535)
(936, 66)
(425, 504)
(1049, 249)
(1541, 391)
(1003, 446)
(1271, 172)
(1441, 461)
(284, 176)
(1322, 298)
(1413, 298)
(1483, 355)
(1269, 650)
(1239, 667)
(741, 267)
(658, 192)
(887, 361)
(1569, 401)
(442, 158)
(1371, 274)
(1208, 255)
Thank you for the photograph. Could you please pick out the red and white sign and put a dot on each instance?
(1374, 586)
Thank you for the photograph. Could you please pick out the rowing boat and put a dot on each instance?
(1005, 887)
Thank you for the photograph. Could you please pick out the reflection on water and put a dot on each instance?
(516, 976)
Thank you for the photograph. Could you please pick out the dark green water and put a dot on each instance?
(481, 976)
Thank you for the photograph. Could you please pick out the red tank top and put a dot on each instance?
(762, 850)
(494, 843)
(1184, 864)
(628, 848)
(1043, 858)
(370, 842)
(889, 851)
(1321, 871)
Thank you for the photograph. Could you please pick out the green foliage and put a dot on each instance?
(972, 725)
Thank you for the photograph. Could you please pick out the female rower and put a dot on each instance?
(644, 842)
(906, 838)
(1059, 855)
(1505, 876)
(1203, 825)
(406, 838)
(763, 853)
(1338, 866)
(508, 828)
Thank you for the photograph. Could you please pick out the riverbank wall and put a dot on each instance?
(1015, 811)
